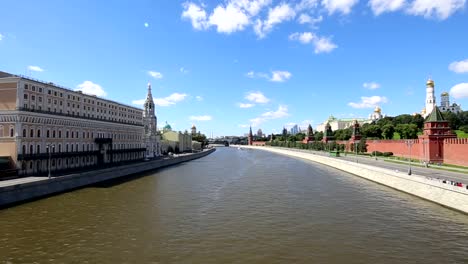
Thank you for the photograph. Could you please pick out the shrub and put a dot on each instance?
(387, 154)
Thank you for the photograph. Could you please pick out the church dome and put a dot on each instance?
(444, 94)
(377, 109)
(167, 127)
(194, 127)
(430, 82)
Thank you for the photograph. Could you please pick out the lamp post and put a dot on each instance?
(49, 146)
(409, 143)
(355, 148)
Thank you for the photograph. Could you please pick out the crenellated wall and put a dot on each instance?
(456, 151)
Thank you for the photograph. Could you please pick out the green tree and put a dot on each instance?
(453, 119)
(387, 131)
(402, 119)
(343, 134)
(418, 120)
(318, 136)
(407, 131)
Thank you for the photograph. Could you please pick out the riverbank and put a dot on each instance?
(430, 189)
(24, 189)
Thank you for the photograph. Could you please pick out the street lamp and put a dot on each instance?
(355, 148)
(409, 143)
(50, 156)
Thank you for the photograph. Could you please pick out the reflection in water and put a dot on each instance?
(241, 206)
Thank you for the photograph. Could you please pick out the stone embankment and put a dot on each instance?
(444, 194)
(34, 187)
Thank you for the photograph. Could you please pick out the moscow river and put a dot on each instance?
(234, 206)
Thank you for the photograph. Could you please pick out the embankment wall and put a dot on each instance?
(429, 189)
(26, 191)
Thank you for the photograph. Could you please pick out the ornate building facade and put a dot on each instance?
(42, 122)
(445, 105)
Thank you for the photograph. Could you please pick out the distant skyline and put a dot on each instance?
(227, 65)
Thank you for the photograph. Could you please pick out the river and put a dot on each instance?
(234, 206)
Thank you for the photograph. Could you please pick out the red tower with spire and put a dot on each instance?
(250, 138)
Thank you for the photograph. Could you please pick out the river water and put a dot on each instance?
(234, 206)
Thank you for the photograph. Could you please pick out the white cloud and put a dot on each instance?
(166, 101)
(304, 38)
(243, 125)
(196, 14)
(1, 36)
(371, 85)
(459, 91)
(199, 98)
(278, 14)
(306, 4)
(381, 6)
(343, 6)
(91, 88)
(280, 113)
(306, 19)
(440, 9)
(201, 118)
(257, 97)
(35, 68)
(276, 76)
(459, 66)
(324, 45)
(146, 24)
(183, 70)
(280, 76)
(229, 19)
(154, 74)
(246, 105)
(369, 102)
(321, 44)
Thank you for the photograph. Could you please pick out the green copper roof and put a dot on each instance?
(435, 116)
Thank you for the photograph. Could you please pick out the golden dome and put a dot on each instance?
(193, 126)
(377, 109)
(423, 111)
(444, 94)
(430, 82)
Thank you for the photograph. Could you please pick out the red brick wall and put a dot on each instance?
(398, 147)
(258, 143)
(456, 151)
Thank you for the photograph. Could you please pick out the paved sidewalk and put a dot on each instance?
(21, 181)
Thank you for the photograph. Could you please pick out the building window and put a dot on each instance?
(60, 148)
(55, 93)
(26, 87)
(24, 132)
(31, 133)
(31, 149)
(60, 133)
(40, 89)
(12, 132)
(39, 99)
(38, 133)
(25, 96)
(49, 92)
(67, 134)
(53, 133)
(38, 149)
(33, 97)
(24, 149)
(48, 134)
(66, 148)
(33, 88)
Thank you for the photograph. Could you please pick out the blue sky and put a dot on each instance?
(225, 65)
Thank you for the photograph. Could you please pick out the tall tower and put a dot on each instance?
(430, 98)
(150, 122)
(445, 100)
(250, 138)
(194, 130)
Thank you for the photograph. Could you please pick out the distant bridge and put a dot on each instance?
(218, 143)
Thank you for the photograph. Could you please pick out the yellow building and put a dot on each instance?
(175, 141)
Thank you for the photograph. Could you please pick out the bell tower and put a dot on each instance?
(149, 114)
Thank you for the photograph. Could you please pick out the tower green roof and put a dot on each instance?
(435, 116)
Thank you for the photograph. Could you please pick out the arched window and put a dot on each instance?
(60, 133)
(31, 148)
(48, 133)
(1, 131)
(24, 149)
(12, 132)
(66, 148)
(60, 148)
(38, 133)
(53, 133)
(67, 134)
(24, 132)
(31, 133)
(38, 149)
(71, 147)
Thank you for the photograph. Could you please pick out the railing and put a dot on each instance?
(75, 116)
